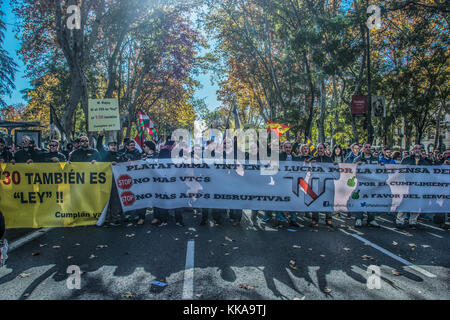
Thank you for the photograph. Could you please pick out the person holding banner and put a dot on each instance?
(336, 154)
(414, 159)
(366, 157)
(114, 216)
(84, 153)
(53, 155)
(5, 155)
(230, 152)
(323, 158)
(216, 213)
(385, 157)
(303, 154)
(353, 154)
(131, 153)
(287, 155)
(27, 154)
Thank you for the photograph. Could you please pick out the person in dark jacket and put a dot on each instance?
(160, 215)
(287, 155)
(414, 159)
(114, 216)
(230, 153)
(336, 155)
(366, 157)
(131, 153)
(321, 157)
(108, 155)
(303, 154)
(84, 153)
(68, 150)
(5, 154)
(149, 148)
(27, 154)
(53, 155)
(215, 213)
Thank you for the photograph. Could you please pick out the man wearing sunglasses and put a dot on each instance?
(84, 153)
(54, 155)
(27, 154)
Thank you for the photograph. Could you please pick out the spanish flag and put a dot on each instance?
(279, 128)
(311, 146)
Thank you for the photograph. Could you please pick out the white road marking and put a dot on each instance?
(393, 256)
(345, 232)
(430, 226)
(188, 284)
(392, 229)
(435, 235)
(356, 231)
(385, 220)
(30, 237)
(424, 224)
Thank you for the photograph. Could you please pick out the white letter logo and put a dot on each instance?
(74, 280)
(373, 281)
(74, 21)
(374, 20)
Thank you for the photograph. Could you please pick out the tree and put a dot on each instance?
(7, 65)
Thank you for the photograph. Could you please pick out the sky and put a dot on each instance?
(12, 45)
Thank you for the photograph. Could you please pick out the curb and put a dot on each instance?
(28, 238)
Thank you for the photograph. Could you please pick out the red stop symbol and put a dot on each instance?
(127, 198)
(124, 182)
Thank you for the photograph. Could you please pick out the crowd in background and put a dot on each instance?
(81, 151)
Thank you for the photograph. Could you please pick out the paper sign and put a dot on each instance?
(103, 115)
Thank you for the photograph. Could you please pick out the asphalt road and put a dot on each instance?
(251, 261)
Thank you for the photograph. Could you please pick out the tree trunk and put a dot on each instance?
(309, 102)
(72, 104)
(321, 120)
(438, 127)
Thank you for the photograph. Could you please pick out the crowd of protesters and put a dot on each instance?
(80, 151)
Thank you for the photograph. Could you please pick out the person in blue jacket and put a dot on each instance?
(353, 154)
(386, 156)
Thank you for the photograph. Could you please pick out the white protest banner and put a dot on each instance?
(297, 186)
